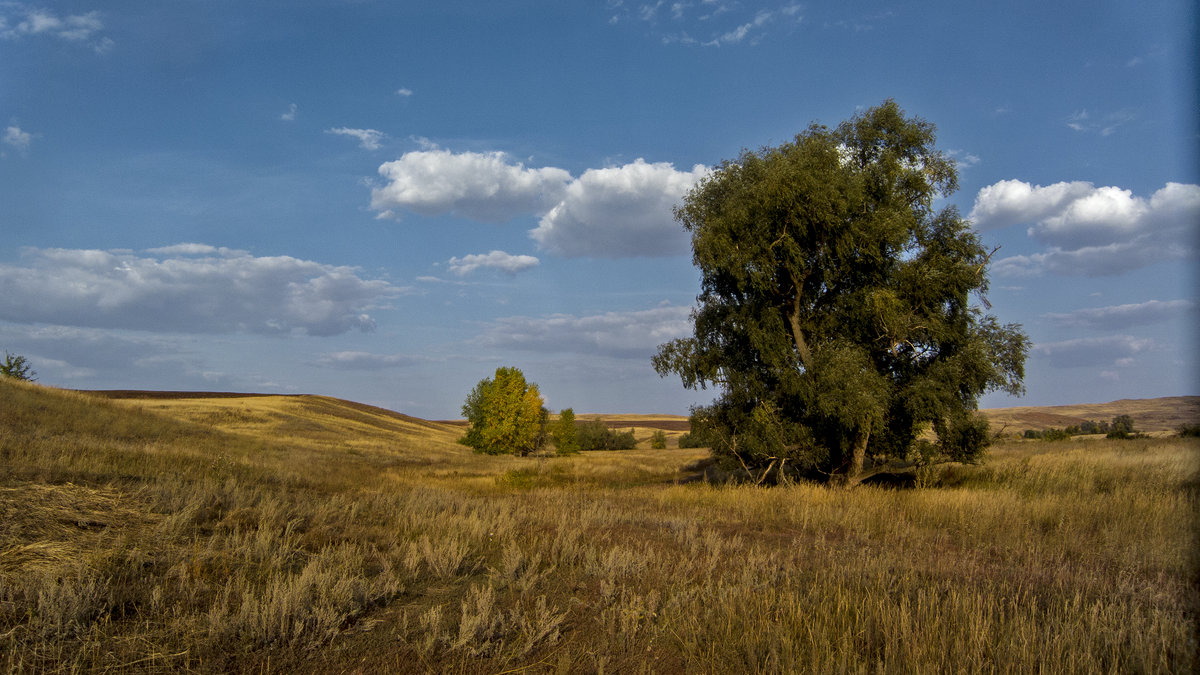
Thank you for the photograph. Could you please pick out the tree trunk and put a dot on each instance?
(851, 473)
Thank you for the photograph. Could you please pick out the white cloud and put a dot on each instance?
(404, 91)
(615, 212)
(963, 159)
(1089, 230)
(365, 360)
(290, 115)
(634, 334)
(1013, 201)
(368, 139)
(623, 211)
(481, 186)
(726, 23)
(189, 288)
(79, 28)
(761, 19)
(1115, 350)
(497, 260)
(1106, 125)
(192, 249)
(1124, 316)
(15, 137)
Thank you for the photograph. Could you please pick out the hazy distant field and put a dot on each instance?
(307, 534)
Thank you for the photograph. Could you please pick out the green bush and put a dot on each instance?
(18, 367)
(1121, 427)
(594, 435)
(658, 441)
(1056, 435)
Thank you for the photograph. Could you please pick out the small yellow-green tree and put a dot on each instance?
(658, 440)
(505, 414)
(566, 441)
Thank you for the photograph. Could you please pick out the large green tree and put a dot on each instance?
(834, 314)
(506, 415)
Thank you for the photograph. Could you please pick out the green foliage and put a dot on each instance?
(834, 312)
(1121, 427)
(506, 415)
(1189, 430)
(1093, 427)
(566, 440)
(1056, 435)
(658, 440)
(691, 440)
(17, 366)
(594, 435)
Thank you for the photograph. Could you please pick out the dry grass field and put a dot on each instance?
(305, 534)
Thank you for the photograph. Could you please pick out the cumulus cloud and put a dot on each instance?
(614, 212)
(404, 91)
(79, 28)
(1013, 201)
(1091, 230)
(190, 288)
(290, 115)
(16, 138)
(496, 260)
(365, 360)
(1124, 316)
(623, 211)
(634, 334)
(487, 187)
(1114, 350)
(368, 139)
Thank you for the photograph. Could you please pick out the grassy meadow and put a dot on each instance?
(306, 534)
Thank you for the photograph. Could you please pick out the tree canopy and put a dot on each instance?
(834, 314)
(506, 415)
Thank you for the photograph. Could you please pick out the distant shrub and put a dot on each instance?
(1032, 434)
(690, 440)
(658, 441)
(595, 435)
(1056, 435)
(1189, 430)
(1121, 427)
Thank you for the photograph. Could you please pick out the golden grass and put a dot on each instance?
(304, 534)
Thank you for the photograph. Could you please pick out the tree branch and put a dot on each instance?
(794, 320)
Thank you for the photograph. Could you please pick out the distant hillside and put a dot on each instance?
(1149, 414)
(318, 420)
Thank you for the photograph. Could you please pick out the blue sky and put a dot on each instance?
(385, 201)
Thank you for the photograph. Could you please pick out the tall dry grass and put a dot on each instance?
(145, 536)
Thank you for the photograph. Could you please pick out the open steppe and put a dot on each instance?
(211, 533)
